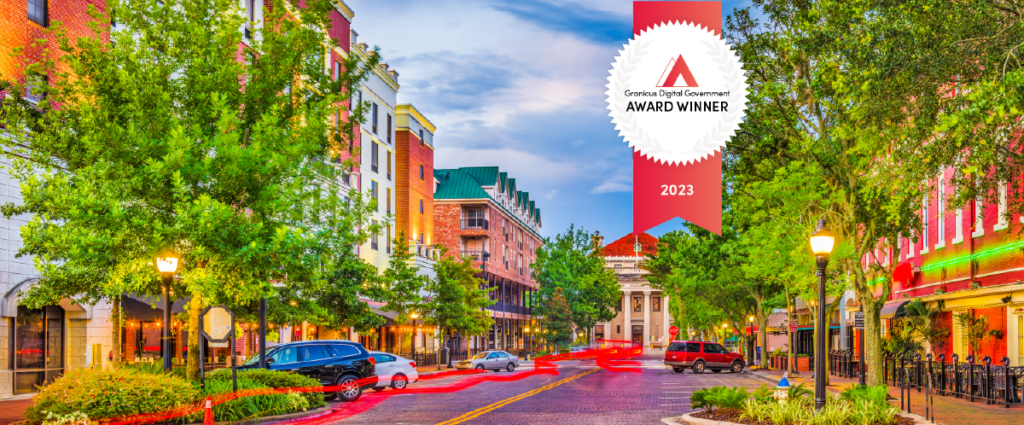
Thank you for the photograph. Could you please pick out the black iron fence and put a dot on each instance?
(844, 363)
(969, 380)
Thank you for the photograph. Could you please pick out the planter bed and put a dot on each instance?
(732, 416)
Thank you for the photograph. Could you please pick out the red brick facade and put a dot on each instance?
(414, 183)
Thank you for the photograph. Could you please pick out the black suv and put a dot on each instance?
(343, 363)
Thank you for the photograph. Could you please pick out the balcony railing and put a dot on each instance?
(475, 224)
(510, 308)
(373, 244)
(475, 254)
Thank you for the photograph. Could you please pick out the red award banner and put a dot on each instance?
(664, 190)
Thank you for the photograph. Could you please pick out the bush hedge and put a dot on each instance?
(249, 407)
(110, 393)
(274, 379)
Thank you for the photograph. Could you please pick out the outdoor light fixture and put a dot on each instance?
(167, 265)
(822, 242)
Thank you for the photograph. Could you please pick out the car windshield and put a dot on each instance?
(480, 355)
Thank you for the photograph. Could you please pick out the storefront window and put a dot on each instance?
(38, 347)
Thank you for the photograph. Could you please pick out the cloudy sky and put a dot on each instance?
(519, 84)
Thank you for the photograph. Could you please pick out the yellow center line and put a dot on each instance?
(492, 407)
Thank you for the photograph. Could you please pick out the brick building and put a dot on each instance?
(480, 213)
(969, 258)
(642, 314)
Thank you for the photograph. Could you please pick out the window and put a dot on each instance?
(250, 13)
(373, 118)
(421, 137)
(979, 228)
(389, 129)
(1001, 222)
(655, 303)
(373, 238)
(388, 191)
(618, 329)
(310, 353)
(618, 305)
(373, 192)
(924, 222)
(35, 87)
(337, 70)
(383, 358)
(345, 350)
(37, 12)
(387, 241)
(638, 304)
(284, 356)
(421, 171)
(941, 210)
(389, 165)
(374, 156)
(421, 211)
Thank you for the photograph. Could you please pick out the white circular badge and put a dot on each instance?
(677, 93)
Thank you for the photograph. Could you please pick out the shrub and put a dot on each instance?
(875, 394)
(251, 406)
(764, 393)
(798, 391)
(110, 393)
(719, 397)
(274, 379)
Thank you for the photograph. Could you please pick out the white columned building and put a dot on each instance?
(642, 316)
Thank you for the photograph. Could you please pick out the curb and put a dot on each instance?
(278, 418)
(689, 419)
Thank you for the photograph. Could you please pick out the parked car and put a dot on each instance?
(579, 349)
(491, 360)
(394, 371)
(702, 355)
(342, 363)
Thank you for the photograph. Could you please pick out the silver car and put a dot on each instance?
(492, 360)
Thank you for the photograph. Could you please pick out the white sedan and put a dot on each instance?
(393, 371)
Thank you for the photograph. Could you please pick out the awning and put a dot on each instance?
(389, 316)
(894, 310)
(148, 309)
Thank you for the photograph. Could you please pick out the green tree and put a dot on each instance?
(558, 319)
(399, 286)
(456, 302)
(149, 145)
(573, 263)
(925, 322)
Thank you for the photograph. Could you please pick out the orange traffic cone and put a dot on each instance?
(208, 412)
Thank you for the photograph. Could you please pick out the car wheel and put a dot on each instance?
(698, 367)
(349, 389)
(378, 389)
(678, 369)
(737, 367)
(716, 370)
(511, 367)
(480, 367)
(399, 382)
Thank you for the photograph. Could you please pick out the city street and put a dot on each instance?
(581, 393)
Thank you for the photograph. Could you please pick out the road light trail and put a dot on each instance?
(494, 406)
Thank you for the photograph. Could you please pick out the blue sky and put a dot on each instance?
(519, 84)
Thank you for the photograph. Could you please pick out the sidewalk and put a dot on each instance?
(11, 409)
(948, 410)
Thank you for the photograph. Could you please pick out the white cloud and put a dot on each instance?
(616, 183)
(551, 194)
(531, 171)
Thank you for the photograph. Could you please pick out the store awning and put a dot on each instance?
(389, 316)
(894, 310)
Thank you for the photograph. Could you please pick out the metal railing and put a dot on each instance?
(992, 384)
(474, 254)
(475, 224)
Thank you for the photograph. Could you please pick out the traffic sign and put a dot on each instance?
(858, 320)
(673, 331)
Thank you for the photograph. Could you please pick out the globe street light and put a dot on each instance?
(167, 265)
(527, 331)
(822, 241)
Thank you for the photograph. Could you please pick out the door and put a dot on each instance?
(311, 359)
(718, 357)
(503, 360)
(492, 361)
(638, 335)
(385, 369)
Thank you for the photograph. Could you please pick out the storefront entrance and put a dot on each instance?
(38, 347)
(638, 335)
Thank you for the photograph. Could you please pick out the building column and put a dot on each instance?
(627, 309)
(666, 321)
(647, 320)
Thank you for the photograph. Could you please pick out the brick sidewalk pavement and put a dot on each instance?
(11, 410)
(948, 410)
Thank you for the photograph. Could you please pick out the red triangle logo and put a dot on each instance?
(677, 74)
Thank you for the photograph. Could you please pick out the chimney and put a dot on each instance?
(384, 66)
(363, 46)
(394, 74)
(598, 240)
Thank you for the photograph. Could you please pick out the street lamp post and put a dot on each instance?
(167, 265)
(822, 241)
(793, 370)
(412, 346)
(526, 330)
(753, 341)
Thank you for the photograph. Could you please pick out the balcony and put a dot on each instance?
(475, 254)
(510, 308)
(475, 224)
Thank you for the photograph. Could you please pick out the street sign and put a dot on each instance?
(792, 327)
(858, 320)
(673, 331)
(217, 324)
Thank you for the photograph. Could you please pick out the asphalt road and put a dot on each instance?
(581, 393)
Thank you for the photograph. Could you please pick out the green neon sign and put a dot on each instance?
(969, 257)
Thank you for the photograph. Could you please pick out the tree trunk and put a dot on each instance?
(195, 306)
(115, 324)
(873, 341)
(762, 335)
